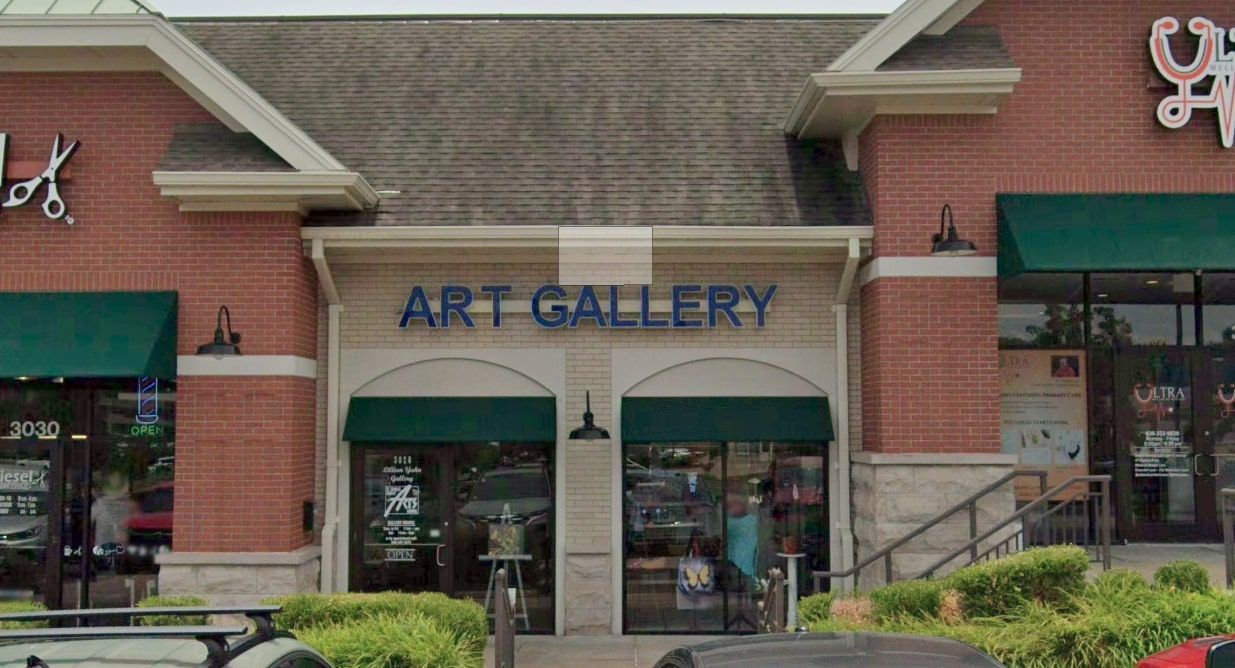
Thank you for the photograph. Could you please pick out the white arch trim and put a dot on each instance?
(725, 377)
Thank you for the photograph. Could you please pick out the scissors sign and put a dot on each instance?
(53, 205)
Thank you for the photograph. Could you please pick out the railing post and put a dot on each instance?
(973, 529)
(1105, 487)
(503, 623)
(1228, 536)
(772, 608)
(887, 568)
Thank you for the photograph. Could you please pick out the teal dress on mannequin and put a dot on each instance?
(743, 542)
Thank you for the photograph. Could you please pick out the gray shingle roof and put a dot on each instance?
(212, 147)
(651, 121)
(962, 48)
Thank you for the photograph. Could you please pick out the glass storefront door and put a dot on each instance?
(445, 517)
(400, 525)
(31, 520)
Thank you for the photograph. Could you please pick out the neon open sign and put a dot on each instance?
(48, 180)
(1214, 60)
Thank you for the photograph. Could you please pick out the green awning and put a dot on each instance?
(687, 419)
(451, 420)
(1065, 233)
(88, 334)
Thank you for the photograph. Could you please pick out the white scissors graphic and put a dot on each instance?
(23, 192)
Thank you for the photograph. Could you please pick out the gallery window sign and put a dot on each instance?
(47, 182)
(551, 306)
(1208, 82)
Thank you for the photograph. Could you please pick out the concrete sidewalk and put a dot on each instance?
(592, 651)
(1145, 558)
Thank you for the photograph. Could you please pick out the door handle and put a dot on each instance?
(437, 555)
(1196, 465)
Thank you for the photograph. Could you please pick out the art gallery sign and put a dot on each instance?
(1208, 82)
(47, 180)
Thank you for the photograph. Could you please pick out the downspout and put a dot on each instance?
(330, 524)
(843, 524)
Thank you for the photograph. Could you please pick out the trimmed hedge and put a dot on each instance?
(1183, 576)
(1050, 575)
(815, 609)
(464, 620)
(10, 607)
(911, 598)
(409, 640)
(172, 602)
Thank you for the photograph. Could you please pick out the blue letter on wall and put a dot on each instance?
(559, 310)
(722, 299)
(418, 307)
(587, 306)
(457, 306)
(761, 302)
(497, 291)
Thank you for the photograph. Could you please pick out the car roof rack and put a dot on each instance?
(213, 637)
(261, 615)
(217, 649)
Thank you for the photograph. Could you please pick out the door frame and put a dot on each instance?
(1206, 524)
(445, 457)
(53, 577)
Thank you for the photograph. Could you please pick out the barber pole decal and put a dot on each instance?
(1214, 59)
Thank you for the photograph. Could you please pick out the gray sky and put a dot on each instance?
(288, 7)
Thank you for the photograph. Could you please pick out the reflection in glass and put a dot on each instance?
(1042, 310)
(1218, 291)
(504, 509)
(703, 524)
(24, 520)
(1143, 309)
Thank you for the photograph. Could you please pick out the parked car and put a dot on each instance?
(824, 650)
(1216, 652)
(149, 646)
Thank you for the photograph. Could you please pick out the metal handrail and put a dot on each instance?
(1228, 532)
(1104, 482)
(970, 503)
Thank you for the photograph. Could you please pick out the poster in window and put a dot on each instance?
(1044, 413)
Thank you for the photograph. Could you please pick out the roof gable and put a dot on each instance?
(73, 7)
(911, 19)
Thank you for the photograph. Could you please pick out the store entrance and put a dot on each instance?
(1175, 434)
(31, 521)
(444, 517)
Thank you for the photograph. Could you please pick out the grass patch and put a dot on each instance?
(173, 602)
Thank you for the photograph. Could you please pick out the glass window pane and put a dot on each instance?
(504, 507)
(1041, 310)
(673, 503)
(1155, 309)
(1218, 291)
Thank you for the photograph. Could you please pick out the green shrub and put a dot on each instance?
(1121, 579)
(10, 607)
(1051, 575)
(464, 619)
(911, 598)
(1182, 576)
(386, 640)
(815, 609)
(173, 602)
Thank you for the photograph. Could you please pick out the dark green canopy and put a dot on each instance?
(451, 420)
(88, 334)
(1066, 233)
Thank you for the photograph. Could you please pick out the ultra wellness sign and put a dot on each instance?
(1214, 61)
(555, 307)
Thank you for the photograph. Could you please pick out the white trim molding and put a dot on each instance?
(247, 365)
(197, 72)
(911, 19)
(929, 267)
(266, 191)
(934, 459)
(834, 104)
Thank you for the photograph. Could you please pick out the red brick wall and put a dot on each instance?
(127, 237)
(1082, 120)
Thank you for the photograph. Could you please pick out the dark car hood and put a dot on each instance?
(840, 650)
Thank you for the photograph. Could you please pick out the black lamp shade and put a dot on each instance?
(589, 431)
(222, 346)
(948, 243)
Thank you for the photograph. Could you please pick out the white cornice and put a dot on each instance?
(929, 267)
(834, 104)
(546, 236)
(266, 191)
(210, 83)
(247, 365)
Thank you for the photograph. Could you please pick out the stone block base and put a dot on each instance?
(589, 594)
(241, 578)
(894, 494)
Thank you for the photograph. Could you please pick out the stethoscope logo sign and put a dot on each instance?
(1213, 61)
(49, 180)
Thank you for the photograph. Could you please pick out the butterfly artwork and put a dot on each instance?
(695, 576)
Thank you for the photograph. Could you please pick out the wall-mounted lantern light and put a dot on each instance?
(949, 243)
(222, 346)
(589, 431)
